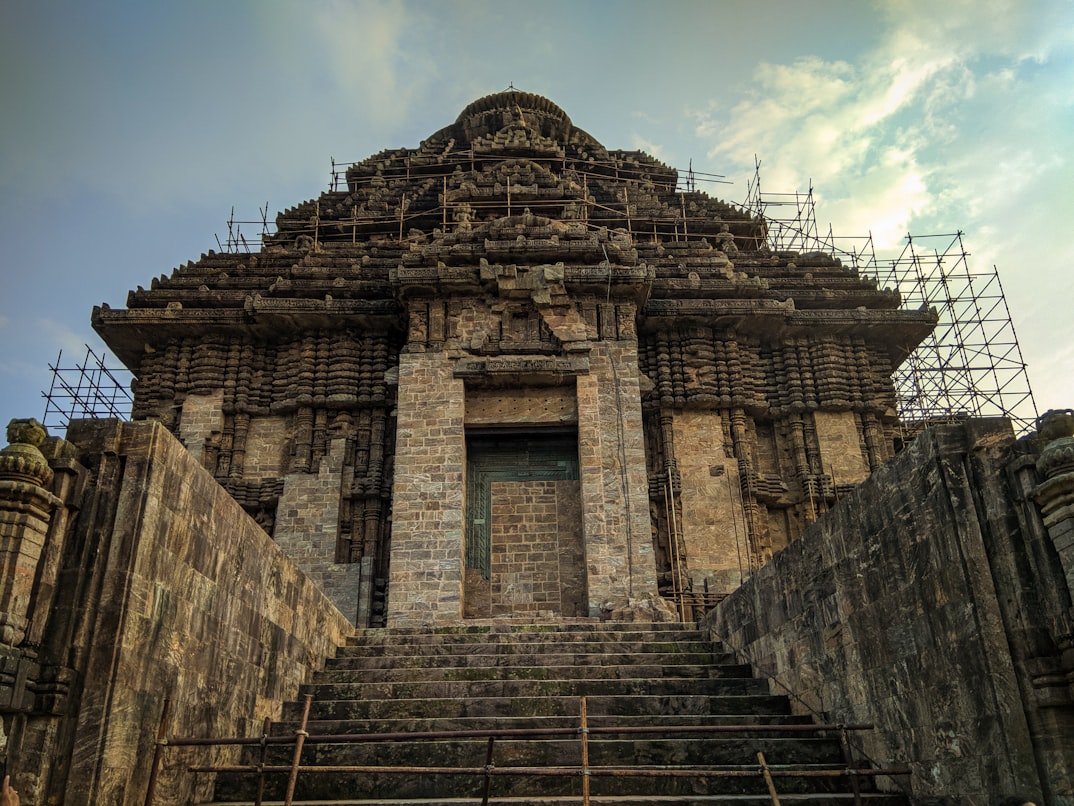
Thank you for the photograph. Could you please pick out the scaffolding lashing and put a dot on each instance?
(971, 364)
(87, 390)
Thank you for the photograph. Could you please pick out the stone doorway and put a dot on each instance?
(524, 545)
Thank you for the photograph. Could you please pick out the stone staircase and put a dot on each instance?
(510, 677)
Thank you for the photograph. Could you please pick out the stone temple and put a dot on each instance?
(607, 389)
(512, 377)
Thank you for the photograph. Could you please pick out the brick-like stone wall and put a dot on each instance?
(266, 448)
(201, 417)
(537, 555)
(842, 455)
(711, 523)
(307, 524)
(192, 601)
(611, 452)
(426, 573)
(911, 606)
(527, 405)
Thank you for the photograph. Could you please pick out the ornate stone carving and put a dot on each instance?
(22, 460)
(1055, 495)
(25, 511)
(508, 249)
(1055, 429)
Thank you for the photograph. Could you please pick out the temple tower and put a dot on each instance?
(512, 373)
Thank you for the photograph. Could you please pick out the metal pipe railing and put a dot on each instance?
(584, 731)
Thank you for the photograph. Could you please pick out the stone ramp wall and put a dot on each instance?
(914, 606)
(195, 602)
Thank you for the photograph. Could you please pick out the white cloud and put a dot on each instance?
(957, 118)
(646, 117)
(62, 337)
(366, 45)
(639, 143)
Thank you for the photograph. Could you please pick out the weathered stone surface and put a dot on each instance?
(520, 256)
(517, 677)
(167, 590)
(898, 609)
(26, 505)
(676, 405)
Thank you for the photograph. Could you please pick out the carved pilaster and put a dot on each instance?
(1055, 494)
(755, 536)
(26, 506)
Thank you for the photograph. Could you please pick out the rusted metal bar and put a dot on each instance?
(488, 774)
(594, 772)
(265, 727)
(774, 728)
(348, 738)
(583, 731)
(300, 738)
(768, 779)
(158, 751)
(848, 757)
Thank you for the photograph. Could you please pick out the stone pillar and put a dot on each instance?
(1055, 494)
(26, 506)
(427, 549)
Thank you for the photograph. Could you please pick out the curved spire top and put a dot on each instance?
(491, 112)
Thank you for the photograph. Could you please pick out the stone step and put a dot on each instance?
(503, 671)
(545, 658)
(622, 649)
(518, 626)
(743, 723)
(604, 750)
(744, 705)
(500, 687)
(390, 637)
(510, 676)
(803, 799)
(745, 726)
(386, 784)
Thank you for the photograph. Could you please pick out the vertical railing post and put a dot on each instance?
(300, 739)
(158, 751)
(848, 758)
(583, 730)
(768, 779)
(265, 728)
(488, 773)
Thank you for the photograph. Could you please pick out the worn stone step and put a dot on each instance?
(517, 626)
(500, 687)
(503, 671)
(622, 649)
(744, 726)
(384, 660)
(622, 704)
(530, 632)
(501, 676)
(604, 750)
(807, 799)
(373, 637)
(744, 779)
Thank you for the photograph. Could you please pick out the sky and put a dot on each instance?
(129, 131)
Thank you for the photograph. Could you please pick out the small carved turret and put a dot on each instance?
(26, 506)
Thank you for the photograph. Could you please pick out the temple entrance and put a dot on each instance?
(524, 547)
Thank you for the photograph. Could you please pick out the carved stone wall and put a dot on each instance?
(515, 252)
